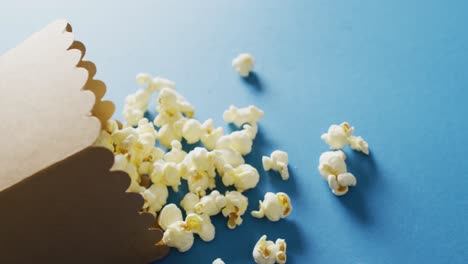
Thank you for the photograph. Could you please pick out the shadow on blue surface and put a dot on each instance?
(366, 172)
(253, 80)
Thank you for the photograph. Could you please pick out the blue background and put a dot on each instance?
(396, 70)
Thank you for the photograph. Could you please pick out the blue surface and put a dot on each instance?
(396, 70)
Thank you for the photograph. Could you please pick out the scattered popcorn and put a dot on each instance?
(278, 162)
(338, 136)
(243, 64)
(267, 252)
(218, 261)
(152, 170)
(274, 207)
(236, 205)
(239, 116)
(189, 201)
(211, 204)
(155, 198)
(333, 169)
(243, 177)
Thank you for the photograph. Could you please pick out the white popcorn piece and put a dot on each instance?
(171, 102)
(169, 214)
(177, 235)
(199, 181)
(135, 107)
(281, 253)
(239, 141)
(359, 144)
(243, 64)
(332, 163)
(278, 161)
(124, 139)
(210, 135)
(200, 160)
(226, 158)
(243, 177)
(154, 84)
(189, 201)
(192, 131)
(218, 261)
(176, 154)
(155, 198)
(236, 205)
(166, 173)
(239, 116)
(251, 130)
(170, 132)
(265, 251)
(338, 136)
(332, 168)
(211, 204)
(201, 225)
(274, 207)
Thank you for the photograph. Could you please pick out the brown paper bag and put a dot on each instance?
(59, 201)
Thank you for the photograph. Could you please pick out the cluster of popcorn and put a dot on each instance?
(153, 170)
(269, 252)
(332, 165)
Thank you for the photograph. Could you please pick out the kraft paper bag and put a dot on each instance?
(59, 201)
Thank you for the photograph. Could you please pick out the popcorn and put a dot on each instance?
(166, 173)
(189, 201)
(210, 135)
(178, 233)
(209, 205)
(236, 205)
(124, 139)
(281, 254)
(201, 225)
(135, 107)
(176, 154)
(338, 136)
(154, 84)
(169, 133)
(267, 252)
(243, 64)
(155, 198)
(192, 131)
(332, 168)
(274, 207)
(226, 157)
(239, 116)
(169, 214)
(278, 162)
(239, 141)
(178, 236)
(359, 144)
(243, 177)
(171, 103)
(218, 261)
